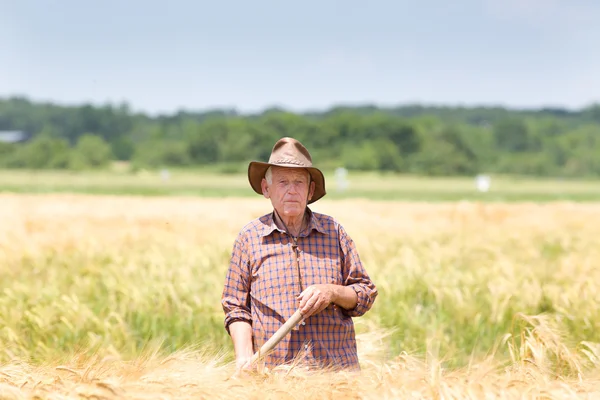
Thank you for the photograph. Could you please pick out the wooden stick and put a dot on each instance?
(277, 336)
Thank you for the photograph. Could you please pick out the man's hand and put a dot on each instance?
(242, 363)
(315, 299)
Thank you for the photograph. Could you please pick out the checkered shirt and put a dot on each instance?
(262, 283)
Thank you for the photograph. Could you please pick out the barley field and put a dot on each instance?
(112, 297)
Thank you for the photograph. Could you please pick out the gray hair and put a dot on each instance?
(269, 176)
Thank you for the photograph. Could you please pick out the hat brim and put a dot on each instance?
(257, 170)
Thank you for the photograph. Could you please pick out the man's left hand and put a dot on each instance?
(315, 299)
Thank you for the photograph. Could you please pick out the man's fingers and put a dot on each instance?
(306, 296)
(312, 304)
(243, 363)
(308, 304)
(303, 301)
(315, 306)
(305, 291)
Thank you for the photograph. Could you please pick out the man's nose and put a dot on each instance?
(292, 188)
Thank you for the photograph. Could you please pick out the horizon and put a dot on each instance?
(133, 110)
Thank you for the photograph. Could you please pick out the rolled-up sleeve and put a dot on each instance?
(355, 276)
(235, 299)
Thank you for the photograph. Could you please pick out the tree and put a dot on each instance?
(91, 151)
(122, 148)
(202, 142)
(361, 157)
(42, 152)
(6, 152)
(411, 138)
(158, 154)
(388, 155)
(512, 135)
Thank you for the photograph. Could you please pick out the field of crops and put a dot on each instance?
(358, 185)
(118, 297)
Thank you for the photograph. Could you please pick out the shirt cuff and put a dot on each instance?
(361, 302)
(237, 316)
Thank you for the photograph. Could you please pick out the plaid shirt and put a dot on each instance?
(263, 280)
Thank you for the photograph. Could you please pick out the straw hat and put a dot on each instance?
(289, 153)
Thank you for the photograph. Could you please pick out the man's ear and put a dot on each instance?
(312, 190)
(265, 188)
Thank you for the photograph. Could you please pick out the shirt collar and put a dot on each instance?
(314, 224)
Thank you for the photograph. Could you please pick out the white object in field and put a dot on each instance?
(341, 179)
(164, 174)
(483, 183)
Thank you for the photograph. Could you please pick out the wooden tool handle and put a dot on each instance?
(277, 336)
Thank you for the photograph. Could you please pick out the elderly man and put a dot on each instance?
(290, 259)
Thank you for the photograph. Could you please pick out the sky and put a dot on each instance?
(161, 57)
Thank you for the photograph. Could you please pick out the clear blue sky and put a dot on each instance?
(167, 55)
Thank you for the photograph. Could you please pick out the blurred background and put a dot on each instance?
(411, 100)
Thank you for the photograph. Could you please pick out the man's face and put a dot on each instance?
(289, 191)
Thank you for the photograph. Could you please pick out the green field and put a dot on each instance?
(361, 185)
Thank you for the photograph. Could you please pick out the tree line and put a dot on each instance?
(408, 139)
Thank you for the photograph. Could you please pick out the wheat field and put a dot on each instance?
(118, 297)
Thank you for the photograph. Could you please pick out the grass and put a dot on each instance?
(118, 296)
(208, 183)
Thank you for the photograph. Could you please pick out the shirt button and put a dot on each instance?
(303, 323)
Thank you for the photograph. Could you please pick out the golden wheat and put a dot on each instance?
(118, 297)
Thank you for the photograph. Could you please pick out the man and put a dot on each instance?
(290, 259)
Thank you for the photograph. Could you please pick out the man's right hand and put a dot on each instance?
(242, 363)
